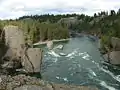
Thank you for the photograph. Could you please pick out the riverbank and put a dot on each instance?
(23, 82)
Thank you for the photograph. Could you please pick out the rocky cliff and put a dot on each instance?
(19, 55)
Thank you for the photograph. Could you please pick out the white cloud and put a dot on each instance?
(17, 8)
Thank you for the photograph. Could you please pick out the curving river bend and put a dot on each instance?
(79, 63)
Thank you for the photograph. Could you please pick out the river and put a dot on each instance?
(79, 63)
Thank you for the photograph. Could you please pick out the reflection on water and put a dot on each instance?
(79, 63)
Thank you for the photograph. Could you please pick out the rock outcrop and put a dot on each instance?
(50, 44)
(113, 57)
(69, 21)
(115, 42)
(32, 61)
(14, 39)
(18, 52)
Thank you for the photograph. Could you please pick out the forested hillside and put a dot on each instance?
(103, 25)
(48, 27)
(35, 30)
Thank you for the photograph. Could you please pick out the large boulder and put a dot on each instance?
(32, 60)
(113, 57)
(115, 42)
(14, 39)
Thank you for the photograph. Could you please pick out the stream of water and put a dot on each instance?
(79, 63)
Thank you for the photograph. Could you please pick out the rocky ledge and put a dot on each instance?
(23, 82)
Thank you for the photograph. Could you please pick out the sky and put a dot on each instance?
(11, 9)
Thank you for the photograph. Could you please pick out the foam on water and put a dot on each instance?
(77, 52)
(111, 74)
(60, 78)
(55, 60)
(81, 54)
(58, 47)
(62, 54)
(71, 54)
(104, 84)
(92, 72)
(57, 77)
(86, 57)
(53, 53)
(65, 79)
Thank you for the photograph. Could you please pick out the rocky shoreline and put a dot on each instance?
(23, 82)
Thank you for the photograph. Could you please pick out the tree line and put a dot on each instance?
(46, 27)
(35, 30)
